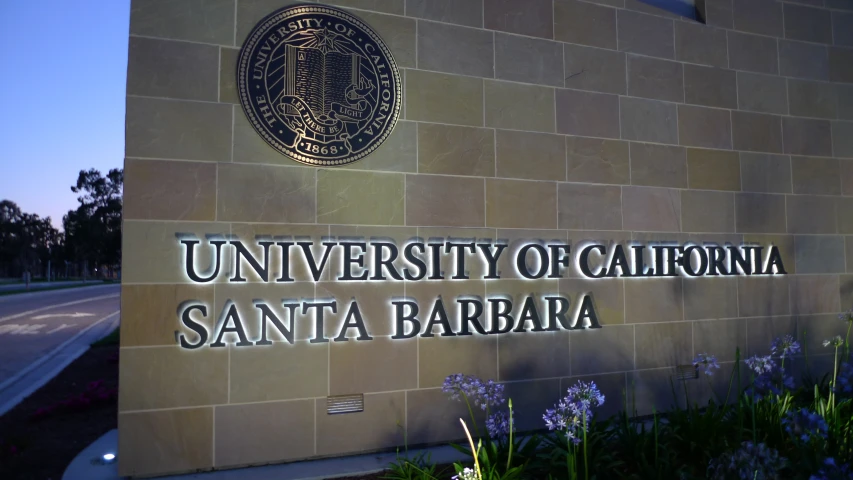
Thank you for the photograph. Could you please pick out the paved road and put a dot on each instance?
(33, 325)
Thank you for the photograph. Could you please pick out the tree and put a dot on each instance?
(92, 236)
(27, 242)
(10, 219)
(93, 230)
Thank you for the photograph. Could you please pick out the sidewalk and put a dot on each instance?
(86, 466)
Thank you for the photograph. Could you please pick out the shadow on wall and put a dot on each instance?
(846, 290)
(686, 8)
(651, 388)
(535, 367)
(658, 388)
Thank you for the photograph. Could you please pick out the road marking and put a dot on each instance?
(55, 315)
(61, 327)
(28, 328)
(15, 329)
(22, 314)
(6, 383)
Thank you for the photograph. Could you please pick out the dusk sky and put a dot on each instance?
(62, 86)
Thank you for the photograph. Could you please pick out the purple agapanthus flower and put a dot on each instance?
(749, 462)
(482, 394)
(768, 376)
(454, 385)
(760, 365)
(487, 394)
(785, 347)
(498, 425)
(831, 470)
(570, 413)
(587, 394)
(846, 316)
(706, 362)
(805, 425)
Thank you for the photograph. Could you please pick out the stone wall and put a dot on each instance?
(522, 119)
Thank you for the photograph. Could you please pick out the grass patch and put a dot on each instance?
(111, 340)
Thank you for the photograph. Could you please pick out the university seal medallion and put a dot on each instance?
(319, 85)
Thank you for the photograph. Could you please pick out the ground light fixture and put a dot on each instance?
(105, 459)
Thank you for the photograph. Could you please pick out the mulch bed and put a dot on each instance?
(442, 471)
(40, 436)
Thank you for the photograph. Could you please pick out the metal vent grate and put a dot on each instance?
(686, 372)
(345, 404)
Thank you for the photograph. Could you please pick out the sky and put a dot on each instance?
(63, 66)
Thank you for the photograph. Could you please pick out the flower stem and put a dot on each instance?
(655, 417)
(585, 457)
(509, 458)
(834, 379)
(752, 406)
(476, 451)
(470, 412)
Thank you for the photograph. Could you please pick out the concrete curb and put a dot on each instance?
(86, 466)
